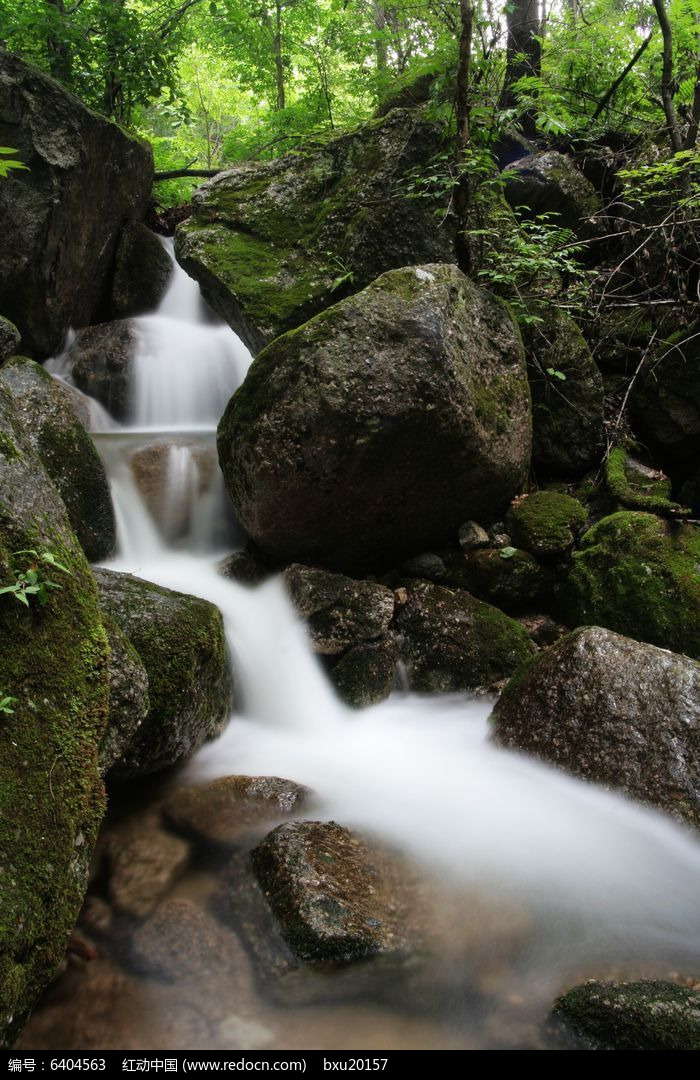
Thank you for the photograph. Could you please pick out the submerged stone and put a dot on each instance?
(372, 432)
(225, 810)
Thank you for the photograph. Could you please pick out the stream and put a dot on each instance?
(531, 880)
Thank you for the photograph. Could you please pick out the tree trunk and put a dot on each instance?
(672, 127)
(523, 54)
(380, 44)
(277, 47)
(60, 64)
(462, 191)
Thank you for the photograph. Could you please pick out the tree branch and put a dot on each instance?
(175, 174)
(674, 133)
(621, 78)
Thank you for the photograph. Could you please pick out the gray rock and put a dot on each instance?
(261, 237)
(225, 811)
(54, 663)
(60, 219)
(142, 271)
(67, 452)
(100, 359)
(365, 674)
(145, 861)
(427, 565)
(549, 183)
(129, 703)
(181, 942)
(329, 892)
(666, 399)
(339, 611)
(567, 413)
(614, 711)
(645, 1015)
(472, 536)
(450, 641)
(373, 431)
(245, 568)
(9, 339)
(180, 640)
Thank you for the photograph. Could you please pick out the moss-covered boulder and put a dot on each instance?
(9, 339)
(639, 575)
(450, 641)
(60, 218)
(636, 486)
(377, 428)
(99, 359)
(54, 664)
(546, 523)
(339, 611)
(272, 243)
(142, 271)
(611, 710)
(666, 399)
(364, 675)
(129, 703)
(67, 453)
(549, 183)
(645, 1015)
(507, 577)
(180, 640)
(331, 895)
(567, 395)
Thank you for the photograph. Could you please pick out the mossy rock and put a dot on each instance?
(640, 576)
(272, 243)
(507, 577)
(54, 661)
(364, 675)
(339, 611)
(142, 271)
(665, 400)
(549, 183)
(450, 641)
(373, 431)
(645, 1015)
(129, 703)
(180, 640)
(635, 486)
(567, 395)
(546, 523)
(9, 339)
(67, 453)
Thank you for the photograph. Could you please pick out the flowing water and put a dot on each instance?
(556, 875)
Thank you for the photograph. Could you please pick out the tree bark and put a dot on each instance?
(175, 174)
(672, 126)
(523, 52)
(277, 47)
(60, 64)
(462, 191)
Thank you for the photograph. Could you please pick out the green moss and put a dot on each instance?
(629, 489)
(7, 447)
(640, 576)
(545, 523)
(645, 1015)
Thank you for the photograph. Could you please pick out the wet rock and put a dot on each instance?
(67, 453)
(223, 812)
(567, 395)
(665, 401)
(542, 629)
(261, 234)
(611, 710)
(472, 536)
(450, 641)
(427, 566)
(181, 942)
(339, 611)
(638, 575)
(507, 577)
(245, 568)
(9, 339)
(328, 892)
(645, 1015)
(100, 359)
(128, 696)
(180, 640)
(365, 674)
(549, 183)
(372, 432)
(154, 467)
(54, 663)
(546, 523)
(60, 219)
(142, 271)
(144, 863)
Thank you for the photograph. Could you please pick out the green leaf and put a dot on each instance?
(556, 374)
(507, 552)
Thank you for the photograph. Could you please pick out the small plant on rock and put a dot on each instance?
(32, 581)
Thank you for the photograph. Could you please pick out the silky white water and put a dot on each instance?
(601, 877)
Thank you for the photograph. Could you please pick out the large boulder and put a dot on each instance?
(9, 339)
(54, 664)
(272, 243)
(638, 575)
(452, 642)
(180, 640)
(142, 271)
(666, 399)
(67, 453)
(645, 1015)
(549, 183)
(61, 217)
(374, 430)
(129, 703)
(567, 395)
(615, 711)
(99, 360)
